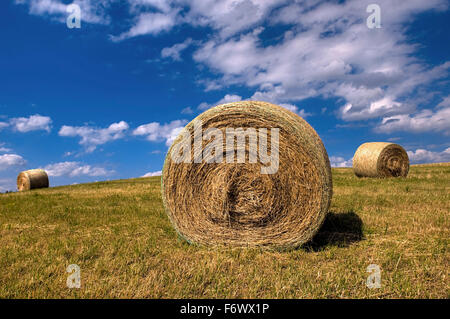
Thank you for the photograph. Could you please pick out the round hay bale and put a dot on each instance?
(379, 159)
(244, 204)
(32, 179)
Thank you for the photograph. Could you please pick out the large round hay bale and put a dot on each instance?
(379, 159)
(234, 203)
(32, 179)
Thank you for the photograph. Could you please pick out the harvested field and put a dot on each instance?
(120, 236)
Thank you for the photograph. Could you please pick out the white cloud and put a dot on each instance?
(423, 121)
(228, 98)
(294, 108)
(228, 17)
(175, 50)
(92, 11)
(10, 160)
(4, 149)
(187, 110)
(327, 50)
(149, 174)
(234, 57)
(148, 23)
(91, 137)
(445, 102)
(375, 109)
(157, 132)
(337, 161)
(3, 125)
(75, 169)
(330, 52)
(424, 156)
(162, 5)
(40, 7)
(33, 123)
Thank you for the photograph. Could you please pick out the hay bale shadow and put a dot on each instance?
(338, 229)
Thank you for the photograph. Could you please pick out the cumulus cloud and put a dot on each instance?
(91, 137)
(174, 51)
(294, 108)
(227, 17)
(4, 149)
(92, 11)
(423, 121)
(3, 125)
(158, 132)
(40, 7)
(228, 98)
(148, 23)
(75, 169)
(11, 160)
(444, 103)
(161, 5)
(187, 110)
(375, 109)
(424, 156)
(337, 161)
(149, 174)
(325, 51)
(330, 53)
(33, 123)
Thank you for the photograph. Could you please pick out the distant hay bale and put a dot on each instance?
(32, 179)
(380, 159)
(235, 204)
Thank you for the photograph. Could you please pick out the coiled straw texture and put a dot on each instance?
(235, 204)
(32, 179)
(379, 159)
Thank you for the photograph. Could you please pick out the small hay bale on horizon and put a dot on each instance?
(32, 179)
(380, 159)
(234, 204)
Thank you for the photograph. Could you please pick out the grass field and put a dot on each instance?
(119, 235)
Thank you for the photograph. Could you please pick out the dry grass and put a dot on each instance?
(119, 235)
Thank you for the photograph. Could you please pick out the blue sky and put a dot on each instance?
(104, 101)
